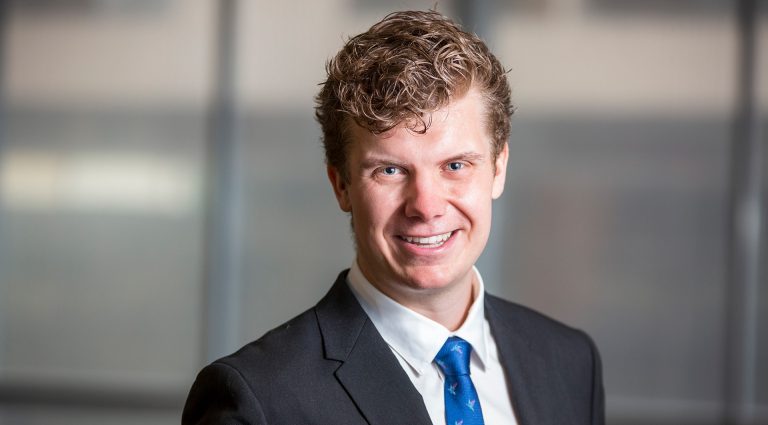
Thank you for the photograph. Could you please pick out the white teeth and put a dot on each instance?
(436, 240)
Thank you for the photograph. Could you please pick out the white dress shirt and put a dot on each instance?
(415, 340)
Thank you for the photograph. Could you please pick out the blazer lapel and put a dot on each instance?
(369, 371)
(531, 384)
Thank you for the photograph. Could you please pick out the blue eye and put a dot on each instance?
(389, 171)
(455, 166)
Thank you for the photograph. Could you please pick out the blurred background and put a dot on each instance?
(163, 196)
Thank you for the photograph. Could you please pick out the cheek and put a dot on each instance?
(473, 192)
(373, 207)
(474, 204)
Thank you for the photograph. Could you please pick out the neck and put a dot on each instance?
(450, 309)
(448, 306)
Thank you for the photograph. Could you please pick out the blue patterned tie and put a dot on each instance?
(462, 406)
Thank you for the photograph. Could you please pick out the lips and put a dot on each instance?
(432, 241)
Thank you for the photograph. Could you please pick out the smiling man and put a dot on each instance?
(415, 118)
(421, 206)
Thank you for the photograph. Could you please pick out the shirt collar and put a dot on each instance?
(416, 338)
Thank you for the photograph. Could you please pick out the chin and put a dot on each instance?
(431, 279)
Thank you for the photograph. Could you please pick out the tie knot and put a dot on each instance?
(453, 358)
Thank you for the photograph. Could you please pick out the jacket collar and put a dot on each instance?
(537, 390)
(369, 372)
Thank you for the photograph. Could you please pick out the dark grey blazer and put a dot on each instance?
(329, 365)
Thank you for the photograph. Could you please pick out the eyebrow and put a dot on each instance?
(375, 161)
(467, 156)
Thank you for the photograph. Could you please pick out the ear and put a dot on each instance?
(340, 188)
(501, 172)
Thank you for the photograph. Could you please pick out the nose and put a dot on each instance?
(425, 198)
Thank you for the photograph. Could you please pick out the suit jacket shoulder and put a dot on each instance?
(535, 327)
(327, 365)
(267, 379)
(553, 370)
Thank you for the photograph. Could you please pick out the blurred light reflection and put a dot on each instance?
(92, 182)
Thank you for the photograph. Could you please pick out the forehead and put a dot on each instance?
(461, 125)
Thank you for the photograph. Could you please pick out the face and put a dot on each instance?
(421, 203)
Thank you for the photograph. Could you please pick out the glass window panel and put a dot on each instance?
(100, 193)
(617, 196)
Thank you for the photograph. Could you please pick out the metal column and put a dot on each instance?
(745, 231)
(223, 233)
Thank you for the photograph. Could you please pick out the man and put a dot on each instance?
(415, 117)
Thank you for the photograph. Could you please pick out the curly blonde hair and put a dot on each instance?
(401, 70)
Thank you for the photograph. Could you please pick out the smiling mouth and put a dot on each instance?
(428, 241)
